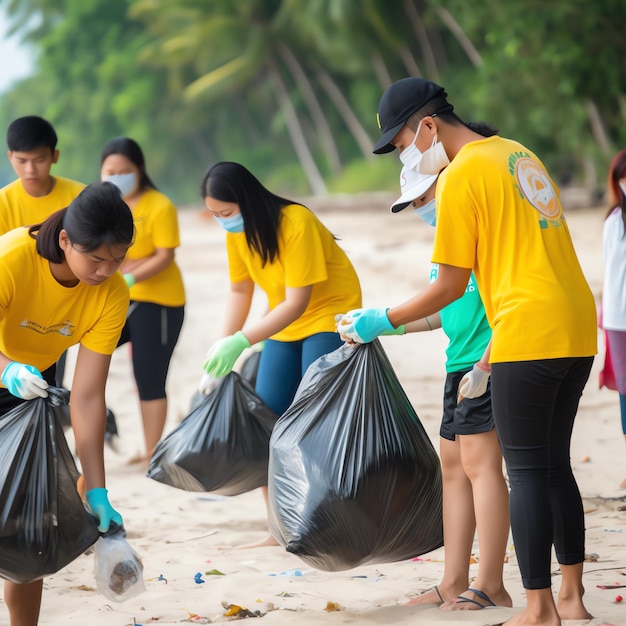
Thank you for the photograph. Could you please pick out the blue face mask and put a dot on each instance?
(233, 224)
(428, 212)
(126, 183)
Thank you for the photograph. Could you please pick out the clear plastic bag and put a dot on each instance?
(222, 446)
(44, 524)
(118, 568)
(353, 477)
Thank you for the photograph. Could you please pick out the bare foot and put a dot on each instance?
(268, 541)
(474, 599)
(526, 619)
(622, 485)
(431, 596)
(572, 609)
(142, 461)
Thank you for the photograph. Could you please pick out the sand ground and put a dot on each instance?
(179, 534)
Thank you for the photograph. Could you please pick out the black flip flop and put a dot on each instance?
(481, 594)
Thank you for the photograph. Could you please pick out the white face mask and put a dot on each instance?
(411, 156)
(428, 212)
(622, 186)
(430, 162)
(434, 159)
(126, 183)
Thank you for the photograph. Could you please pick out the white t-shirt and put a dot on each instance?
(614, 290)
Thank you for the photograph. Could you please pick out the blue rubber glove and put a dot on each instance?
(24, 381)
(223, 353)
(365, 325)
(98, 502)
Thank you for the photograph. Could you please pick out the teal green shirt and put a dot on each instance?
(465, 324)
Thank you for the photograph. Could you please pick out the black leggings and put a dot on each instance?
(153, 332)
(534, 405)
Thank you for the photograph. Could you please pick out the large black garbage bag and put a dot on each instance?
(353, 476)
(43, 522)
(222, 446)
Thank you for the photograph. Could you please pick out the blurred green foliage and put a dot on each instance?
(290, 88)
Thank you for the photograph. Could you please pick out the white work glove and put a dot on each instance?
(474, 383)
(208, 384)
(24, 381)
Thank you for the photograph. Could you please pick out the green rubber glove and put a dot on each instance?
(130, 280)
(223, 353)
(100, 506)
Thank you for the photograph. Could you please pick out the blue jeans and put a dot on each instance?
(283, 364)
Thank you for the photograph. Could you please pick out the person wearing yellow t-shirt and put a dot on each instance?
(35, 194)
(282, 247)
(157, 293)
(499, 214)
(61, 287)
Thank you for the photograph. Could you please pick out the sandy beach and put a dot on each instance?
(180, 534)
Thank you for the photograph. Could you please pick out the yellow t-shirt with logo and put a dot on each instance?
(40, 318)
(18, 208)
(156, 226)
(499, 213)
(307, 255)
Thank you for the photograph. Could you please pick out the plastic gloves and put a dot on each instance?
(130, 280)
(208, 383)
(364, 325)
(98, 502)
(24, 381)
(474, 383)
(223, 353)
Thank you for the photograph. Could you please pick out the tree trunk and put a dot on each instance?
(318, 187)
(322, 127)
(422, 37)
(597, 128)
(345, 110)
(454, 27)
(381, 71)
(412, 68)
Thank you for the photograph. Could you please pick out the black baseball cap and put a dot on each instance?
(398, 103)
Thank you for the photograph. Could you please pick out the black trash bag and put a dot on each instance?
(353, 476)
(44, 524)
(222, 446)
(249, 369)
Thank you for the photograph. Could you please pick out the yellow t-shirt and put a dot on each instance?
(18, 208)
(307, 255)
(499, 213)
(156, 226)
(40, 319)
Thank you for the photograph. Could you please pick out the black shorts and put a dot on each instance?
(470, 417)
